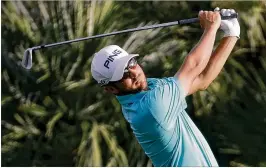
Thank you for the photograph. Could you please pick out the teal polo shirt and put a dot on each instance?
(162, 127)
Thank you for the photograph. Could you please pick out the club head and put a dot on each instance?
(27, 59)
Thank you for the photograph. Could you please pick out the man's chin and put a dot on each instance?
(144, 85)
(141, 87)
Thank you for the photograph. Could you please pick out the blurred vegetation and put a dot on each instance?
(56, 115)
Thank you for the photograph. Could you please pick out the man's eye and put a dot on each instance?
(126, 75)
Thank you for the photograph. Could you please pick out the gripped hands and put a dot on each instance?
(210, 20)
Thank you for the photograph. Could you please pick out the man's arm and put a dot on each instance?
(214, 65)
(198, 58)
(231, 31)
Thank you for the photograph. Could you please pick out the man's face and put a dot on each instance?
(133, 81)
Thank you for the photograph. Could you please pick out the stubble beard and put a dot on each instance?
(142, 87)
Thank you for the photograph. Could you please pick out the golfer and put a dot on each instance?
(155, 108)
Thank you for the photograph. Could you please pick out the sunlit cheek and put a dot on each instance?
(127, 84)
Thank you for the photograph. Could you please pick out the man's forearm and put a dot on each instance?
(203, 49)
(217, 61)
(201, 53)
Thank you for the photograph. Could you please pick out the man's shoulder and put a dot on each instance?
(156, 105)
(156, 82)
(162, 91)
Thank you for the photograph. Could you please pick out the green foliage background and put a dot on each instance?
(56, 115)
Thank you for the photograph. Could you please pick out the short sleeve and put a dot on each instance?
(166, 101)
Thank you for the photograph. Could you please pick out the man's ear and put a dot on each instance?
(111, 89)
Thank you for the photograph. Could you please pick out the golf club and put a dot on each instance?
(27, 58)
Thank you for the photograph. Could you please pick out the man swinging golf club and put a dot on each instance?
(155, 108)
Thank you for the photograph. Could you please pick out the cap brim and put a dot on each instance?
(119, 70)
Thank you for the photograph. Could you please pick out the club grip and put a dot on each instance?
(194, 20)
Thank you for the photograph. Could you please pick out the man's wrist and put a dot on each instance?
(230, 40)
(231, 35)
(211, 30)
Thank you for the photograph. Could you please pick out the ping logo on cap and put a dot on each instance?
(110, 58)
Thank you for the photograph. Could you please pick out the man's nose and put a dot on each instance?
(133, 73)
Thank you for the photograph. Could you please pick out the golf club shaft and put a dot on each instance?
(180, 22)
(27, 58)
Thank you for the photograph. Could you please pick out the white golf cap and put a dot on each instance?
(109, 63)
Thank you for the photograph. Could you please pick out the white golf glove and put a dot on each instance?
(230, 27)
